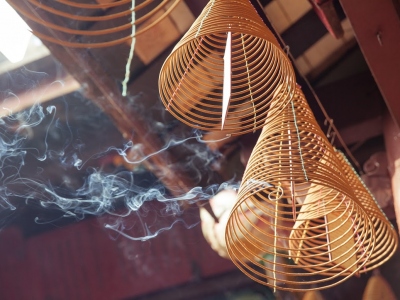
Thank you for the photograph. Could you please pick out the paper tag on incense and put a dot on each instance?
(226, 89)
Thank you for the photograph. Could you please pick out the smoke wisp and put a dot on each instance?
(61, 156)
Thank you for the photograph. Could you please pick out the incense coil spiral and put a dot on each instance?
(386, 236)
(331, 235)
(315, 233)
(78, 17)
(227, 46)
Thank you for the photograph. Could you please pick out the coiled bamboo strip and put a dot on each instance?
(77, 14)
(318, 233)
(191, 81)
(386, 236)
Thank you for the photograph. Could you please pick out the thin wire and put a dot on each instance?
(275, 243)
(337, 134)
(339, 137)
(205, 17)
(298, 138)
(249, 83)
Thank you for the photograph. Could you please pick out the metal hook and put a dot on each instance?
(286, 50)
(330, 121)
(333, 137)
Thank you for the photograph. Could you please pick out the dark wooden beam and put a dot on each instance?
(350, 101)
(102, 89)
(363, 131)
(44, 92)
(376, 25)
(299, 36)
(326, 11)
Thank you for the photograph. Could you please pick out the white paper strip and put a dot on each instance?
(226, 89)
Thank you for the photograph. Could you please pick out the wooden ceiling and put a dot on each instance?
(335, 67)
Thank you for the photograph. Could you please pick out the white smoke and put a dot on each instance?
(42, 135)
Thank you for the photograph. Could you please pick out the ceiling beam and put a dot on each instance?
(46, 91)
(362, 131)
(376, 25)
(104, 91)
(326, 11)
(342, 98)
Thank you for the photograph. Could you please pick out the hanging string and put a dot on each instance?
(259, 8)
(298, 138)
(205, 17)
(249, 83)
(330, 121)
(275, 243)
(131, 51)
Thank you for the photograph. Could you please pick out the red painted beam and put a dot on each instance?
(328, 16)
(376, 25)
(392, 143)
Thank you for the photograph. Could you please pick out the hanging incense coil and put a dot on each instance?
(318, 233)
(74, 19)
(386, 236)
(224, 72)
(330, 233)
